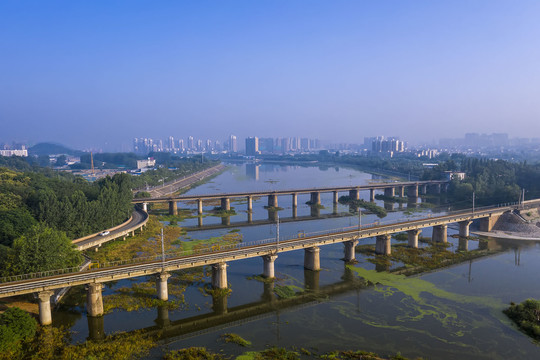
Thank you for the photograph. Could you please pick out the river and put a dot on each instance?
(450, 313)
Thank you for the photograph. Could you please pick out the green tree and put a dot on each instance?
(13, 223)
(42, 248)
(15, 325)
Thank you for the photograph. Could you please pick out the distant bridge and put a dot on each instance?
(218, 256)
(401, 189)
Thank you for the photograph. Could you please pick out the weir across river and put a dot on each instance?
(43, 284)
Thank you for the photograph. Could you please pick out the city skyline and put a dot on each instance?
(99, 74)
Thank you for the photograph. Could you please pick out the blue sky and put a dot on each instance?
(98, 73)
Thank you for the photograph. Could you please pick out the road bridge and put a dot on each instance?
(137, 221)
(44, 283)
(411, 189)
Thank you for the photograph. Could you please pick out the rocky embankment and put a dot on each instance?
(525, 225)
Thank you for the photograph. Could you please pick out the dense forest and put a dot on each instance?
(493, 181)
(62, 202)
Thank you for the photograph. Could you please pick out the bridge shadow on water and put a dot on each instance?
(222, 316)
(315, 214)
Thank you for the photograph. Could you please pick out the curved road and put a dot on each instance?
(138, 219)
(175, 185)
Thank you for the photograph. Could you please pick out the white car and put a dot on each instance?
(104, 233)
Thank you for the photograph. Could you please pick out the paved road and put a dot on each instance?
(178, 184)
(139, 218)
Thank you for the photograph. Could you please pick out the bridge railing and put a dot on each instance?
(217, 247)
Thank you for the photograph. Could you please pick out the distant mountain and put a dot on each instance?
(49, 149)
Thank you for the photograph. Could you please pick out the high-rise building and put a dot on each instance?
(266, 145)
(170, 145)
(233, 145)
(208, 146)
(181, 145)
(304, 144)
(191, 143)
(285, 145)
(252, 146)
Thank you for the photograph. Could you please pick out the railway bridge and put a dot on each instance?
(43, 284)
(411, 189)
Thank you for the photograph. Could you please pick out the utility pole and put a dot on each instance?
(277, 233)
(359, 220)
(162, 250)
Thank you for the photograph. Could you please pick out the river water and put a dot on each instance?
(455, 312)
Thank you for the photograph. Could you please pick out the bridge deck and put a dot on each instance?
(377, 186)
(183, 260)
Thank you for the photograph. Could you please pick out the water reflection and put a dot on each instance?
(96, 328)
(252, 171)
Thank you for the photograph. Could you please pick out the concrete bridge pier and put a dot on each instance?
(226, 220)
(349, 250)
(249, 217)
(294, 200)
(315, 211)
(464, 228)
(268, 266)
(372, 195)
(335, 198)
(219, 275)
(423, 189)
(439, 234)
(96, 328)
(315, 198)
(389, 192)
(200, 221)
(312, 258)
(225, 204)
(249, 204)
(94, 300)
(45, 316)
(161, 285)
(389, 205)
(354, 194)
(383, 245)
(487, 223)
(401, 191)
(463, 244)
(413, 237)
(173, 208)
(437, 188)
(199, 207)
(272, 215)
(412, 191)
(335, 209)
(272, 200)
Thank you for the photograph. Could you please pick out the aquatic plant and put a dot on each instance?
(526, 316)
(192, 353)
(235, 339)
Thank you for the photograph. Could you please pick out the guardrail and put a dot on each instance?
(306, 238)
(292, 191)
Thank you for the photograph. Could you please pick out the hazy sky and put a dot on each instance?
(98, 73)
